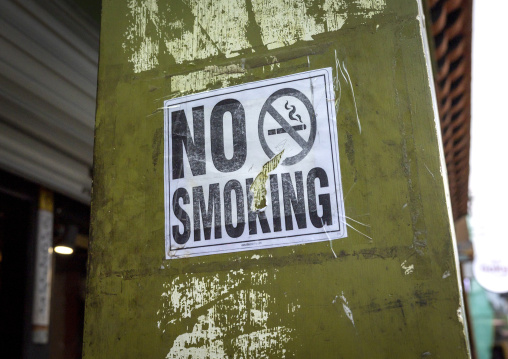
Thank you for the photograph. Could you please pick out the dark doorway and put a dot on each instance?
(17, 212)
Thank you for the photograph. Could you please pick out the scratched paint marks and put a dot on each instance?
(189, 30)
(186, 296)
(284, 22)
(225, 22)
(408, 269)
(187, 45)
(347, 310)
(230, 314)
(203, 342)
(280, 28)
(142, 34)
(216, 28)
(335, 16)
(258, 344)
(371, 7)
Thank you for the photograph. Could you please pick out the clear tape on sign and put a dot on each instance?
(253, 166)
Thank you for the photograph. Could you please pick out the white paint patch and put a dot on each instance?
(203, 79)
(335, 14)
(372, 4)
(446, 274)
(459, 315)
(258, 344)
(258, 312)
(284, 22)
(185, 296)
(191, 45)
(345, 306)
(349, 313)
(260, 277)
(276, 18)
(408, 269)
(144, 47)
(293, 308)
(220, 27)
(371, 7)
(213, 307)
(224, 22)
(203, 342)
(145, 58)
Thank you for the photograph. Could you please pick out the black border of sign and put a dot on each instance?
(258, 239)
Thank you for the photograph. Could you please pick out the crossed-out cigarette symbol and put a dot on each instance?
(286, 127)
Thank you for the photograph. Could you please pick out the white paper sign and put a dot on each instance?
(252, 166)
(43, 269)
(490, 265)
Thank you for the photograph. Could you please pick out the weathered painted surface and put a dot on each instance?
(388, 290)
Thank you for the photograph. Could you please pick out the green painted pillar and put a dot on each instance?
(160, 286)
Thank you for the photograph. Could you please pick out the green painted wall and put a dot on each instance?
(388, 290)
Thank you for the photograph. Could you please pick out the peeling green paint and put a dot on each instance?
(224, 27)
(380, 293)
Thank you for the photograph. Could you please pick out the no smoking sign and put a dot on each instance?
(279, 134)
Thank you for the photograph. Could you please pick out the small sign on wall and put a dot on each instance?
(253, 166)
(43, 269)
